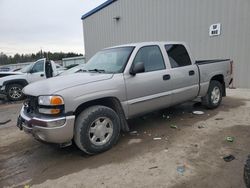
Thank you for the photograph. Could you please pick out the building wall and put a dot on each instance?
(177, 20)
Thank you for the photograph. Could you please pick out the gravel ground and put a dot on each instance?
(190, 155)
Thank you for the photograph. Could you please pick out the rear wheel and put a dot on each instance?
(14, 92)
(214, 95)
(97, 129)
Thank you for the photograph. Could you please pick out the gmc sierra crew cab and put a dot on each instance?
(91, 107)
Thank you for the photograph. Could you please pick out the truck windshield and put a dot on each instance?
(111, 60)
(72, 70)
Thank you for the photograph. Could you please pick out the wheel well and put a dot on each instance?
(110, 102)
(20, 82)
(220, 78)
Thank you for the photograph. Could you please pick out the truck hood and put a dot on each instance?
(56, 84)
(10, 73)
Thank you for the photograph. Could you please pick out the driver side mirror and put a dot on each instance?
(137, 68)
(31, 71)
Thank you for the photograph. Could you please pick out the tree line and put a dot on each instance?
(22, 58)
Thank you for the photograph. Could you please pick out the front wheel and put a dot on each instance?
(214, 95)
(14, 92)
(97, 129)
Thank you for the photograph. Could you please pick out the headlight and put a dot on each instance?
(50, 100)
(50, 104)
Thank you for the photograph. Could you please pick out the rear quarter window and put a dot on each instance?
(178, 55)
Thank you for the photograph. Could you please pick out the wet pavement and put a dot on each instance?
(194, 142)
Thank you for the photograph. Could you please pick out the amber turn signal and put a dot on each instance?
(56, 100)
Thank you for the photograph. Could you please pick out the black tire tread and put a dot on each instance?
(247, 172)
(9, 97)
(206, 101)
(82, 120)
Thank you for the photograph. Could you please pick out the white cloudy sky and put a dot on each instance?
(26, 26)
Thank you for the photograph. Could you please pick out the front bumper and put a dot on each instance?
(41, 130)
(2, 90)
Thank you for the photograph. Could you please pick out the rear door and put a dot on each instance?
(184, 74)
(149, 90)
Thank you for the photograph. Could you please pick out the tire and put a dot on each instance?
(247, 172)
(214, 95)
(14, 92)
(97, 129)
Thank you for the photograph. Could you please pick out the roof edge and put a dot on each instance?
(100, 7)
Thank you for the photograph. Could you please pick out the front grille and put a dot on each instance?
(31, 104)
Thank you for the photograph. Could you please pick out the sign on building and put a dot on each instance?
(215, 30)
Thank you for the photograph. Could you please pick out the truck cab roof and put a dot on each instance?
(139, 44)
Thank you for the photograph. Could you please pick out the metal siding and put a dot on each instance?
(179, 20)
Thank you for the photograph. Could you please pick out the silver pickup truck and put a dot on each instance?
(92, 106)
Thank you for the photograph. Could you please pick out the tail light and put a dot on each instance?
(231, 84)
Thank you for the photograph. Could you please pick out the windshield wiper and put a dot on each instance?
(96, 70)
(81, 70)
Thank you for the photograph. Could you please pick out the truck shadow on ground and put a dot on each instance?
(31, 160)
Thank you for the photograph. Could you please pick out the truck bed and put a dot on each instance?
(208, 69)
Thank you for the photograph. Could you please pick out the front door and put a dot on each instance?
(149, 90)
(37, 72)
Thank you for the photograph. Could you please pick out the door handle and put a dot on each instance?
(42, 75)
(191, 73)
(166, 77)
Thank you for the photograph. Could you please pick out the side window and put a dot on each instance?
(178, 55)
(38, 67)
(152, 58)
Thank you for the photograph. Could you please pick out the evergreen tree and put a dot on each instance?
(21, 58)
